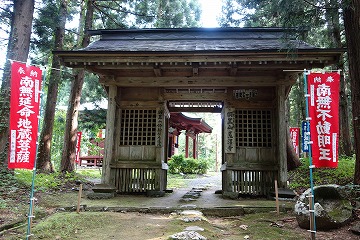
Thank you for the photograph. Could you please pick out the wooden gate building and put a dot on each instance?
(244, 73)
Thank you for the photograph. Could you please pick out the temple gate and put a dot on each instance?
(246, 73)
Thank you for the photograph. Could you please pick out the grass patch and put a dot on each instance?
(53, 181)
(89, 173)
(259, 227)
(109, 225)
(300, 178)
(179, 181)
(69, 225)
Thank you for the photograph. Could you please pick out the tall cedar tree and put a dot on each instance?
(351, 9)
(69, 150)
(17, 49)
(332, 17)
(44, 155)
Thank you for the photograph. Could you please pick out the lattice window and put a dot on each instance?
(138, 127)
(253, 128)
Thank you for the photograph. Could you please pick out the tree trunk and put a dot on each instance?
(69, 150)
(352, 33)
(332, 18)
(293, 160)
(18, 50)
(44, 153)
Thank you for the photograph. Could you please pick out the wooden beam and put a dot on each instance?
(233, 69)
(73, 59)
(195, 69)
(195, 109)
(157, 71)
(184, 82)
(196, 96)
(280, 65)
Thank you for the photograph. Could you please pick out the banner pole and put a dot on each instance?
(311, 166)
(32, 199)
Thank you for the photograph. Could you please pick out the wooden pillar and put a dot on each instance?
(173, 144)
(176, 149)
(281, 132)
(110, 136)
(195, 147)
(186, 146)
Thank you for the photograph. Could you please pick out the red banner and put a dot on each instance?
(295, 137)
(323, 89)
(78, 142)
(24, 111)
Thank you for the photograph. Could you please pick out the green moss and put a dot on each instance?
(300, 178)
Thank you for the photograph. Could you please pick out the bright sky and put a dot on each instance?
(211, 9)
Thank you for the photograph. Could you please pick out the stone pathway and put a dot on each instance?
(190, 232)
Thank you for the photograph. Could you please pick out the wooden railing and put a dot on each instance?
(95, 161)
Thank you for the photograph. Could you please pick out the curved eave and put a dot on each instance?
(198, 124)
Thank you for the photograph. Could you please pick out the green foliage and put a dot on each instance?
(175, 164)
(43, 181)
(47, 182)
(44, 26)
(69, 223)
(179, 164)
(90, 173)
(147, 14)
(58, 138)
(344, 174)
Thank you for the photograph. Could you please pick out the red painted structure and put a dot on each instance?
(192, 126)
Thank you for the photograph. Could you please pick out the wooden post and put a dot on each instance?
(216, 154)
(277, 197)
(194, 147)
(79, 199)
(282, 128)
(186, 146)
(312, 218)
(110, 136)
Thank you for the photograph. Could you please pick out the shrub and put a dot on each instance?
(189, 166)
(203, 167)
(175, 164)
(178, 164)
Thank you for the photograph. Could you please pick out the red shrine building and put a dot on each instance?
(191, 127)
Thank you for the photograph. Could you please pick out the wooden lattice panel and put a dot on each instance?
(135, 179)
(138, 127)
(253, 182)
(253, 128)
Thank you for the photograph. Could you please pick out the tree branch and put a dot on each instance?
(320, 7)
(125, 11)
(119, 25)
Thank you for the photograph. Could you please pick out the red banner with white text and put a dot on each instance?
(323, 89)
(295, 137)
(24, 111)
